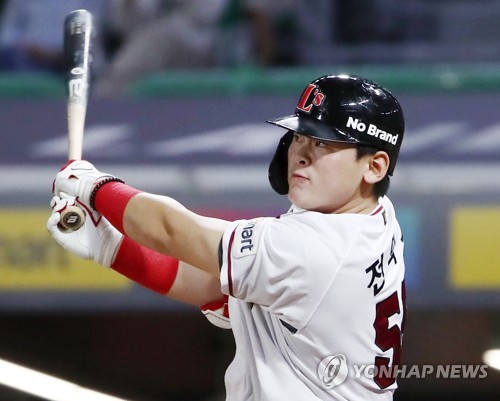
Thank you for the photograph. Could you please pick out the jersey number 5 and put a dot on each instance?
(388, 337)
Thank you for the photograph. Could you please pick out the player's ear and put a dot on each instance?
(378, 164)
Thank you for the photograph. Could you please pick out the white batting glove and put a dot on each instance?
(78, 179)
(97, 239)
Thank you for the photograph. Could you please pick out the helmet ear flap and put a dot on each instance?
(278, 168)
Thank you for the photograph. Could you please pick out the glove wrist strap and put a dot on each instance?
(98, 186)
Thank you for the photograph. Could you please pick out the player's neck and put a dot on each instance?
(359, 205)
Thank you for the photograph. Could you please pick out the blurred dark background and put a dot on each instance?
(182, 90)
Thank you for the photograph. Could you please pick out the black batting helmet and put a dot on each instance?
(341, 108)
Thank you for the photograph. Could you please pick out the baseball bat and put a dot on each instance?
(78, 33)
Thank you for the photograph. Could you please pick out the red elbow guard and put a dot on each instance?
(217, 313)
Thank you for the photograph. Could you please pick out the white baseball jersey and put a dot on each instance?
(316, 304)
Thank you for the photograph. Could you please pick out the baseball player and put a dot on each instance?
(315, 297)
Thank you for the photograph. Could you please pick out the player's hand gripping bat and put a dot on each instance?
(78, 32)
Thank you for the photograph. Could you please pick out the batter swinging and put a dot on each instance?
(311, 294)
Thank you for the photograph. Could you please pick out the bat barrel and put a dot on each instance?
(78, 33)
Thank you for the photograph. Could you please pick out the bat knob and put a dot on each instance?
(72, 218)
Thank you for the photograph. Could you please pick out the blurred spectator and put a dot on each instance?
(164, 34)
(31, 33)
(149, 36)
(259, 32)
(362, 21)
(123, 18)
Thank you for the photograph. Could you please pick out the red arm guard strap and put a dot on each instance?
(146, 267)
(111, 200)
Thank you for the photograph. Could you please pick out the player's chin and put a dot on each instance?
(300, 198)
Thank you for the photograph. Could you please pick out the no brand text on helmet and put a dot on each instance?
(372, 130)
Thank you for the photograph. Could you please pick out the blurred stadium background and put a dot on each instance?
(200, 135)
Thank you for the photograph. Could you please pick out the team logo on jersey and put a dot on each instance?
(312, 96)
(333, 370)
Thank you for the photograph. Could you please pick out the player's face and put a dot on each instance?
(325, 176)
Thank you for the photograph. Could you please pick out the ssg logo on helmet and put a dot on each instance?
(318, 98)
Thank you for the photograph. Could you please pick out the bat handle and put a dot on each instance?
(72, 218)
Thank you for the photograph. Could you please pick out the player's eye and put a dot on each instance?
(321, 144)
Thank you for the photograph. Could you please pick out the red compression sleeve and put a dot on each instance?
(111, 200)
(146, 267)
